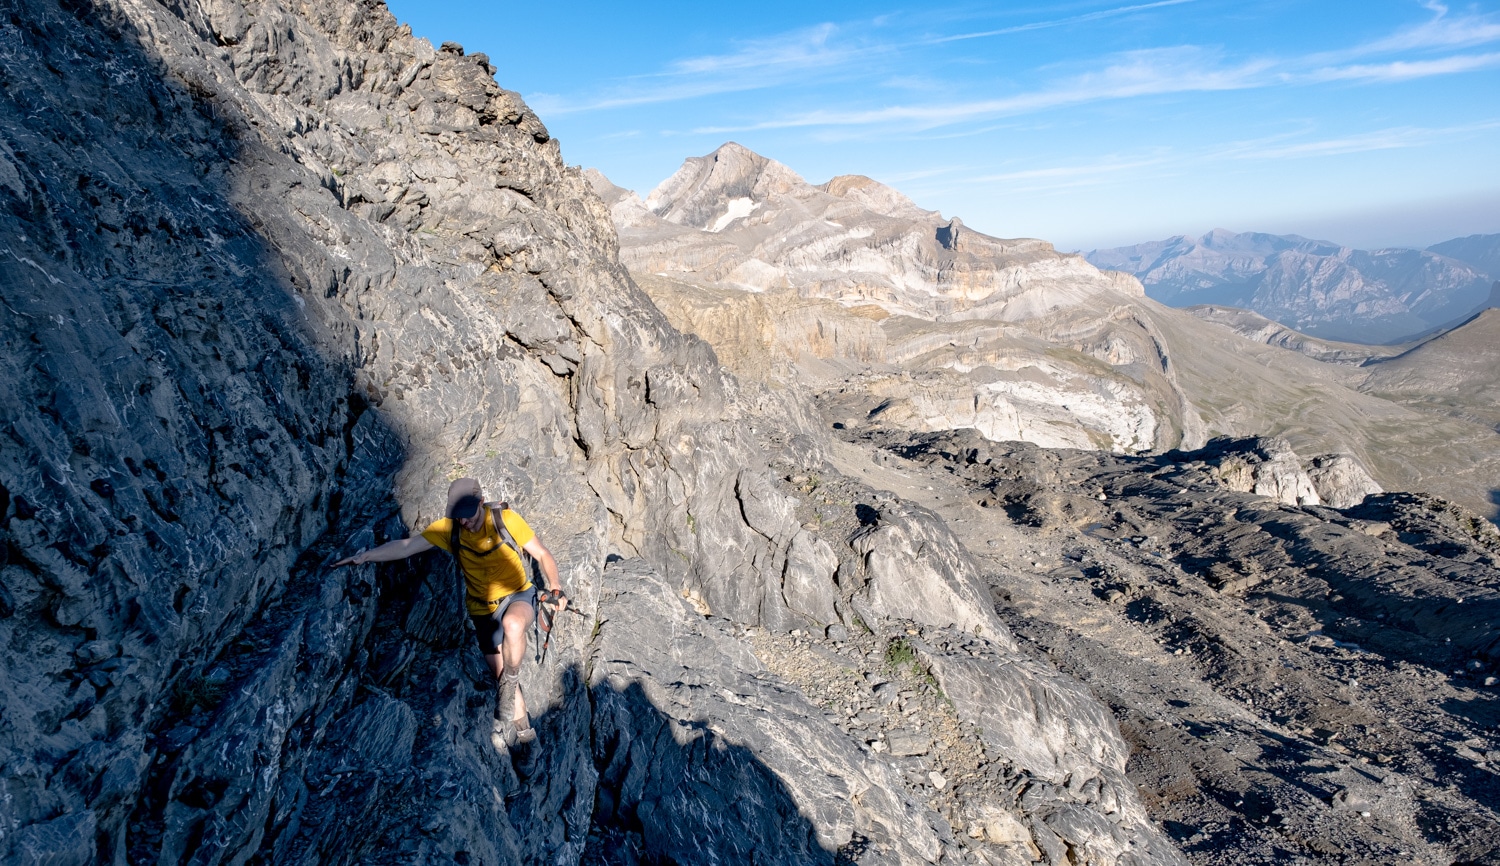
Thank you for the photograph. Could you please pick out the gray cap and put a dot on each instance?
(464, 498)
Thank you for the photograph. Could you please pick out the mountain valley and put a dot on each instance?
(1081, 361)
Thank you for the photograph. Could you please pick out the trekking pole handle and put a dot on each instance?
(553, 596)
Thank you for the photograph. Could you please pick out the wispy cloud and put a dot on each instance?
(1441, 32)
(1056, 22)
(827, 53)
(1392, 138)
(754, 65)
(801, 49)
(1137, 73)
(1462, 31)
(1403, 70)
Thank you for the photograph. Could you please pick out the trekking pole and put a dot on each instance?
(545, 619)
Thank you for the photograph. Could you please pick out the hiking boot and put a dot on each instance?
(500, 735)
(505, 701)
(524, 751)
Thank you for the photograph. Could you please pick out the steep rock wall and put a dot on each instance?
(266, 266)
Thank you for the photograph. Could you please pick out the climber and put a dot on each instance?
(501, 599)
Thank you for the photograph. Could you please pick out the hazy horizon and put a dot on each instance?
(1088, 124)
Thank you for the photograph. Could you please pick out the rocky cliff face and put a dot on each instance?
(1084, 377)
(1322, 289)
(274, 273)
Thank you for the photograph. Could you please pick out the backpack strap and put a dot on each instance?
(528, 562)
(505, 536)
(533, 573)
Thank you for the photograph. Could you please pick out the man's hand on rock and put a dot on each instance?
(356, 559)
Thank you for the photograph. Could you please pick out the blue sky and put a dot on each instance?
(1090, 124)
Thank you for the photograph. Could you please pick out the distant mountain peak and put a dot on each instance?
(707, 187)
(735, 218)
(876, 196)
(1481, 252)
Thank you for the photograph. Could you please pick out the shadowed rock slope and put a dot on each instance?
(273, 274)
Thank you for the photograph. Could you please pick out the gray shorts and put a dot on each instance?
(487, 630)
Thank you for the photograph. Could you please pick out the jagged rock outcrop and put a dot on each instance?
(707, 758)
(1269, 467)
(917, 571)
(1265, 467)
(1316, 287)
(1340, 481)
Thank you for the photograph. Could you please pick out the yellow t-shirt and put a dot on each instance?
(492, 570)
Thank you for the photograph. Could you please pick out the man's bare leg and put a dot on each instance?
(516, 621)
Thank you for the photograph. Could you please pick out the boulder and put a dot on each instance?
(918, 571)
(1340, 480)
(1263, 466)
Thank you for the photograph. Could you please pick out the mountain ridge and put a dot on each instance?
(1323, 289)
(755, 224)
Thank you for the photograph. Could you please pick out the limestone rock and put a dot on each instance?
(1340, 481)
(918, 571)
(1057, 732)
(807, 584)
(676, 719)
(1265, 467)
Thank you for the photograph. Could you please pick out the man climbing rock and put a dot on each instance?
(488, 539)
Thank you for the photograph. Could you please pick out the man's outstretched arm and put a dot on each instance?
(391, 551)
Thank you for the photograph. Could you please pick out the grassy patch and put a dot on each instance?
(198, 693)
(899, 654)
